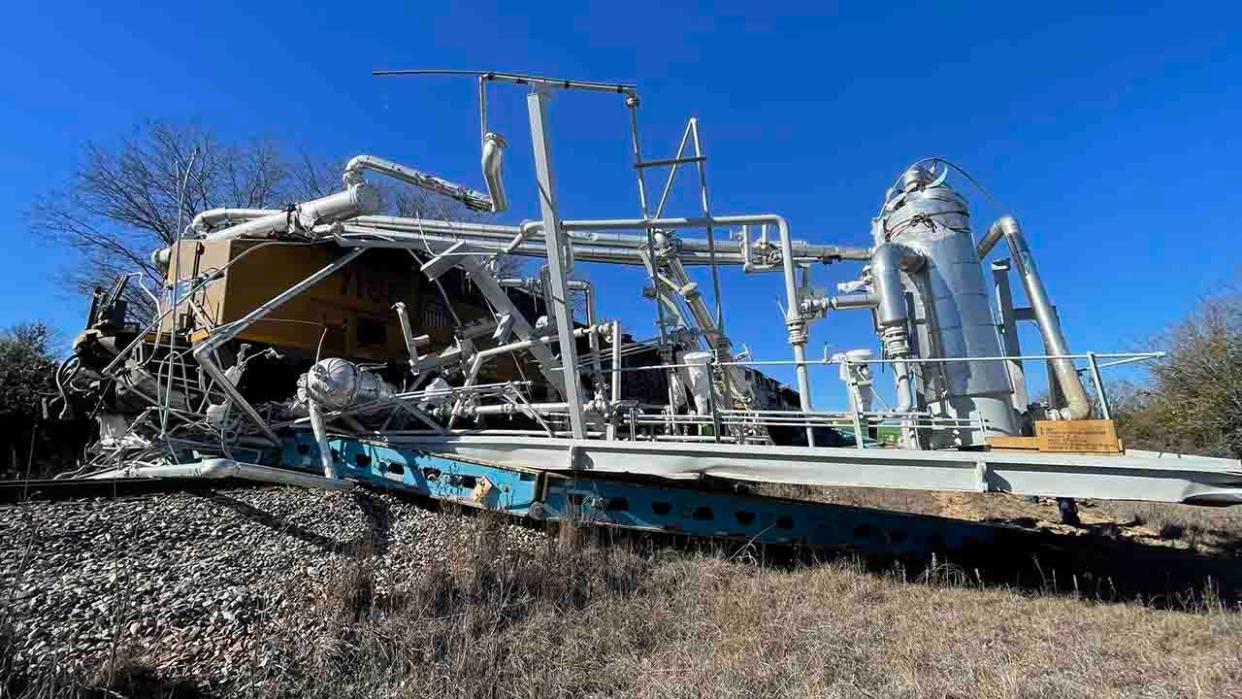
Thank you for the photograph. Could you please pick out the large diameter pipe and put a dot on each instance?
(214, 218)
(887, 263)
(1078, 406)
(354, 200)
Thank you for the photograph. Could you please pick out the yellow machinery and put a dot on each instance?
(348, 314)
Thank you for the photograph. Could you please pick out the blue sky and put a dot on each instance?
(1112, 134)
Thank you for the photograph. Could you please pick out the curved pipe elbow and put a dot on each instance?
(493, 169)
(1003, 227)
(888, 261)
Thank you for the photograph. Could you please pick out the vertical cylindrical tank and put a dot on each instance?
(927, 216)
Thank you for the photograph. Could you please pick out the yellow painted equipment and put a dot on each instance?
(348, 314)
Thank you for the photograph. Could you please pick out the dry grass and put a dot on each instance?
(586, 620)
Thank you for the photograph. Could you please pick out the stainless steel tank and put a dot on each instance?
(951, 313)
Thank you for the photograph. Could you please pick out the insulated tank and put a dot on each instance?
(951, 314)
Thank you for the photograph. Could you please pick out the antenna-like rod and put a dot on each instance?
(518, 79)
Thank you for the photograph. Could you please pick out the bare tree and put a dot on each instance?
(128, 199)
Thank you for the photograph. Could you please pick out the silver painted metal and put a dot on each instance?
(211, 219)
(1102, 394)
(924, 284)
(519, 79)
(1078, 405)
(477, 201)
(953, 316)
(1009, 334)
(493, 164)
(537, 103)
(227, 468)
(1195, 480)
(358, 198)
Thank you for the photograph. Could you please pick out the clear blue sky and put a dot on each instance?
(1113, 135)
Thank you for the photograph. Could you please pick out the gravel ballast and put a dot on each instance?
(187, 582)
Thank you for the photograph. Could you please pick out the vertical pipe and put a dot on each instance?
(407, 332)
(711, 399)
(1105, 412)
(321, 439)
(858, 431)
(636, 147)
(597, 371)
(616, 378)
(653, 266)
(537, 104)
(796, 325)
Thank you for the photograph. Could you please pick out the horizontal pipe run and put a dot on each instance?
(227, 468)
(802, 250)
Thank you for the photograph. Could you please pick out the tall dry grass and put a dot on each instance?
(585, 616)
(577, 619)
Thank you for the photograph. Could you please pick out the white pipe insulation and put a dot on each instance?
(356, 199)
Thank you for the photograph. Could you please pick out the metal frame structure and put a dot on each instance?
(959, 367)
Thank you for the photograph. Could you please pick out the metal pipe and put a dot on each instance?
(711, 236)
(357, 198)
(407, 332)
(793, 320)
(472, 199)
(1078, 406)
(1105, 412)
(537, 106)
(227, 468)
(518, 240)
(493, 165)
(321, 439)
(887, 264)
(616, 377)
(849, 302)
(518, 79)
(525, 408)
(795, 323)
(203, 353)
(213, 218)
(588, 289)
